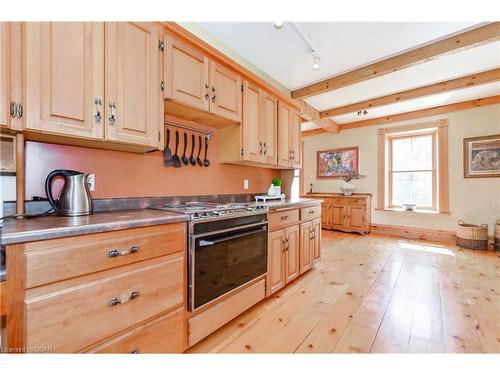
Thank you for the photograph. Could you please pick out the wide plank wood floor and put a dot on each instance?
(376, 294)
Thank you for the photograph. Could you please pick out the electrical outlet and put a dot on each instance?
(91, 181)
(245, 184)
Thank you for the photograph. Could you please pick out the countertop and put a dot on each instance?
(49, 227)
(327, 195)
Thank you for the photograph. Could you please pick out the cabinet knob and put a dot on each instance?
(214, 96)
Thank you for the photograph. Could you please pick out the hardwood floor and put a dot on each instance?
(376, 294)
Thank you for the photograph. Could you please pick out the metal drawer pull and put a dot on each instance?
(284, 217)
(118, 253)
(98, 106)
(311, 212)
(112, 116)
(135, 351)
(118, 301)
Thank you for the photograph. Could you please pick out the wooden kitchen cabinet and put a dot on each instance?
(4, 75)
(288, 136)
(251, 139)
(316, 227)
(269, 127)
(346, 213)
(225, 92)
(310, 240)
(100, 295)
(283, 258)
(198, 88)
(132, 83)
(186, 74)
(64, 78)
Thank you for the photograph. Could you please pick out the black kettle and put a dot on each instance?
(75, 198)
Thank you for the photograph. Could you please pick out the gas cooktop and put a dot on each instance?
(210, 211)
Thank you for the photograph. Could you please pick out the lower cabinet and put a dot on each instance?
(346, 213)
(293, 249)
(117, 292)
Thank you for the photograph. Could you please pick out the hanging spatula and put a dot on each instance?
(167, 153)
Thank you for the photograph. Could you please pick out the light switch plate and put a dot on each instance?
(245, 184)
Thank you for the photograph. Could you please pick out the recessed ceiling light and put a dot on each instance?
(278, 24)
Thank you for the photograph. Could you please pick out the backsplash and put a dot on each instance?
(123, 174)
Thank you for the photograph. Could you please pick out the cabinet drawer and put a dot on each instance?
(281, 219)
(60, 259)
(356, 201)
(75, 314)
(162, 335)
(310, 213)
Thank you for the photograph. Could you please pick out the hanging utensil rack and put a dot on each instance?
(207, 133)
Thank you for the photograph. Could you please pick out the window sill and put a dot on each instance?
(412, 212)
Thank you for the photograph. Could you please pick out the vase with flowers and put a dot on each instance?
(348, 187)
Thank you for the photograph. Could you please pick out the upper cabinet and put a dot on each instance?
(289, 136)
(94, 81)
(132, 83)
(251, 137)
(64, 70)
(4, 75)
(186, 75)
(269, 127)
(199, 88)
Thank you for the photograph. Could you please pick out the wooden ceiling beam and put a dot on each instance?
(413, 114)
(468, 39)
(436, 88)
(309, 113)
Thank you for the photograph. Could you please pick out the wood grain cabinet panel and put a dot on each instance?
(250, 128)
(64, 78)
(292, 253)
(295, 137)
(71, 316)
(269, 128)
(225, 92)
(275, 262)
(349, 214)
(281, 219)
(132, 83)
(65, 258)
(306, 246)
(161, 335)
(186, 74)
(4, 75)
(289, 136)
(316, 227)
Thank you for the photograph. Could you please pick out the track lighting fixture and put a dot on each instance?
(315, 65)
(278, 24)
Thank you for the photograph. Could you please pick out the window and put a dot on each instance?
(412, 173)
(413, 166)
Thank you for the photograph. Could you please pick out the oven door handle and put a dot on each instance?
(204, 243)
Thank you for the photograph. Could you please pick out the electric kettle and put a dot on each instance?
(75, 199)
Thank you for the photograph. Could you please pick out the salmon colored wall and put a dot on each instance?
(123, 174)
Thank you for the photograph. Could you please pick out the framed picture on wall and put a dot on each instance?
(482, 156)
(338, 162)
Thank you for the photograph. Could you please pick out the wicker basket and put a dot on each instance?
(470, 236)
(497, 235)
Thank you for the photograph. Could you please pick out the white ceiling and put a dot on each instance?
(344, 46)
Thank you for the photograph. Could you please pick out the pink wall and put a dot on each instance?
(123, 174)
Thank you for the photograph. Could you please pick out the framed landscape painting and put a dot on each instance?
(482, 156)
(338, 162)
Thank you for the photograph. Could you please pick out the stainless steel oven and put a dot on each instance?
(225, 254)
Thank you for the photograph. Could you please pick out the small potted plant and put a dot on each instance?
(277, 186)
(347, 187)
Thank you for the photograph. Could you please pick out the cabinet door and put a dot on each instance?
(292, 253)
(326, 214)
(132, 83)
(251, 142)
(338, 216)
(186, 74)
(306, 246)
(284, 151)
(269, 127)
(316, 253)
(295, 138)
(356, 217)
(64, 70)
(225, 92)
(4, 74)
(275, 262)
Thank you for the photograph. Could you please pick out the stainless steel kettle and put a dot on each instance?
(75, 199)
